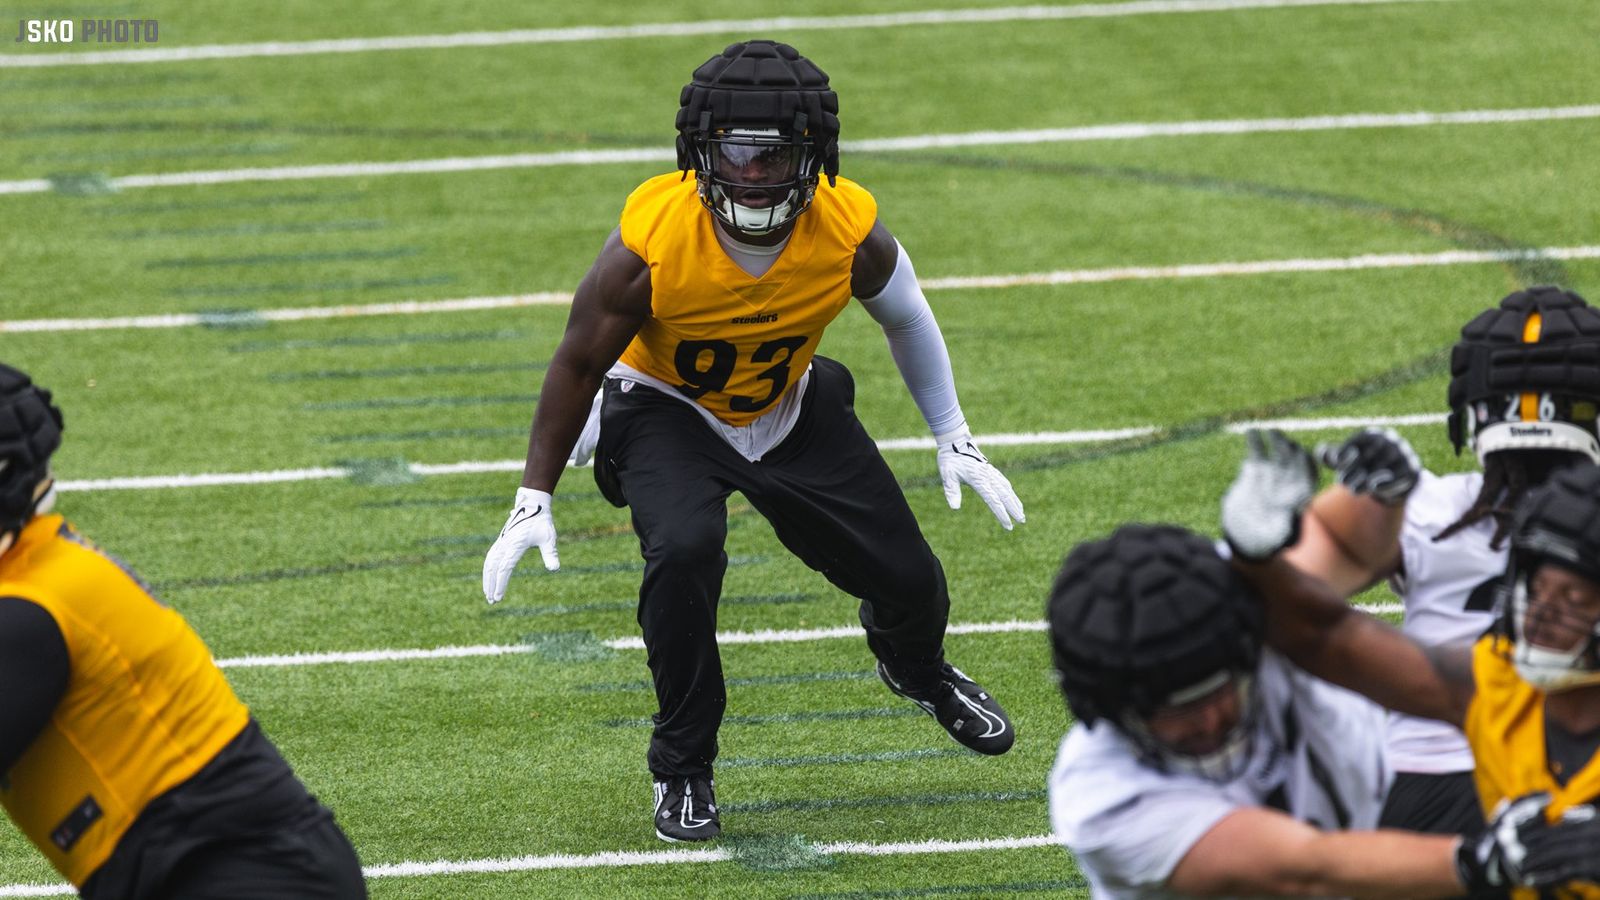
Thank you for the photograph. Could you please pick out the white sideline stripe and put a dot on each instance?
(218, 479)
(620, 858)
(661, 29)
(980, 282)
(1122, 131)
(724, 638)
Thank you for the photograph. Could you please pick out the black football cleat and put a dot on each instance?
(961, 705)
(686, 809)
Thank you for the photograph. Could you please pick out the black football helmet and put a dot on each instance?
(1526, 376)
(1153, 617)
(30, 431)
(757, 124)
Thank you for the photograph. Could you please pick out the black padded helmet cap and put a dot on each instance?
(1491, 359)
(1148, 611)
(30, 431)
(1561, 521)
(760, 84)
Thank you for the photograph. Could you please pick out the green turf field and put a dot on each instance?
(824, 775)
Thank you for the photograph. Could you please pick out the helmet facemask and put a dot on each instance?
(755, 181)
(1214, 757)
(1555, 641)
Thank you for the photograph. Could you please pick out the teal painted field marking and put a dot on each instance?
(568, 646)
(384, 472)
(820, 803)
(427, 435)
(750, 681)
(481, 500)
(414, 402)
(231, 318)
(144, 209)
(274, 259)
(837, 715)
(288, 574)
(560, 609)
(307, 287)
(405, 371)
(82, 184)
(537, 571)
(398, 340)
(776, 853)
(101, 106)
(129, 80)
(256, 149)
(838, 759)
(253, 228)
(142, 126)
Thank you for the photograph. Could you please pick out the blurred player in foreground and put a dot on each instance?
(124, 755)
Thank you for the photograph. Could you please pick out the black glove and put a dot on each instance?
(1261, 510)
(1566, 851)
(1374, 461)
(1493, 861)
(1519, 848)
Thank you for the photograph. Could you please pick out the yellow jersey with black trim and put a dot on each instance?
(145, 706)
(731, 342)
(1505, 726)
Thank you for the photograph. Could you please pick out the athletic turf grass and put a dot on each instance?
(541, 752)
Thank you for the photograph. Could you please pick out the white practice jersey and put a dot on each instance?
(1316, 754)
(1448, 590)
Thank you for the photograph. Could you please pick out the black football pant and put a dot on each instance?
(832, 501)
(315, 862)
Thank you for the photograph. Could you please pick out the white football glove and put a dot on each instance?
(960, 461)
(1261, 510)
(529, 525)
(589, 437)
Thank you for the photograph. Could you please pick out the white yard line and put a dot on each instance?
(1112, 132)
(622, 858)
(979, 282)
(221, 479)
(583, 34)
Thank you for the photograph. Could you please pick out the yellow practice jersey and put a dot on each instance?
(733, 343)
(1505, 726)
(145, 707)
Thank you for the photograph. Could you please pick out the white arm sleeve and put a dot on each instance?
(917, 347)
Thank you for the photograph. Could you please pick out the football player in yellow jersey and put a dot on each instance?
(701, 316)
(1527, 694)
(124, 755)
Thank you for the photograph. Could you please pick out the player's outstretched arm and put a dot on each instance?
(1307, 620)
(1350, 534)
(1258, 852)
(608, 309)
(883, 278)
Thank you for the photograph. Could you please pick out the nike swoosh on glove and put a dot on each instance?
(529, 525)
(1261, 510)
(961, 462)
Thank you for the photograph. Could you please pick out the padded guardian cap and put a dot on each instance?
(757, 124)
